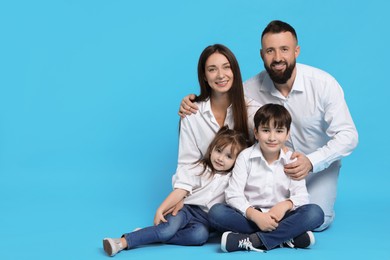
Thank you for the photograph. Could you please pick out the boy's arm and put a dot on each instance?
(280, 209)
(298, 193)
(173, 198)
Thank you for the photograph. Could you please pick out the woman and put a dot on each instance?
(221, 102)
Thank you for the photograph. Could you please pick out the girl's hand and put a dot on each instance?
(159, 217)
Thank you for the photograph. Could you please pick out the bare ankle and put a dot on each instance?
(124, 243)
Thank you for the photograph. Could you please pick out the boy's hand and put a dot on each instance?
(279, 210)
(265, 221)
(187, 107)
(299, 169)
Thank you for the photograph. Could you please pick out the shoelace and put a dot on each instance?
(247, 245)
(288, 243)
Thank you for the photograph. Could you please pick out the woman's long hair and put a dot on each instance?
(236, 93)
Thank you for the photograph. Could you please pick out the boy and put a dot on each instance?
(265, 206)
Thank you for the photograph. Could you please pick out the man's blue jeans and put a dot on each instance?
(307, 217)
(189, 227)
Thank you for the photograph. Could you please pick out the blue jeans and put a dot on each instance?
(190, 227)
(307, 217)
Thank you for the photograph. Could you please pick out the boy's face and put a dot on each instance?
(271, 139)
(222, 159)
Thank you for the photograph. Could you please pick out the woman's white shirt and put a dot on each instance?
(198, 130)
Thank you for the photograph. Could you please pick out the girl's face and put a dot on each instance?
(222, 159)
(218, 73)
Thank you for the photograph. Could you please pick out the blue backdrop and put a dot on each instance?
(89, 94)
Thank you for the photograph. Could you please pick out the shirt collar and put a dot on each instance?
(269, 86)
(256, 153)
(206, 107)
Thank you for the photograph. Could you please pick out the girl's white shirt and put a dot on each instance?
(205, 189)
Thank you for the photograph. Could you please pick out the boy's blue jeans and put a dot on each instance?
(305, 218)
(190, 227)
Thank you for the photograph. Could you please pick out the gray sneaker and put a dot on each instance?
(112, 246)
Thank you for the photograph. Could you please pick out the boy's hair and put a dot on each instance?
(277, 26)
(223, 138)
(275, 112)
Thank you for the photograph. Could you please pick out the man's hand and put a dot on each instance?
(299, 169)
(187, 107)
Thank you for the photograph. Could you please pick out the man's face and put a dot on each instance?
(279, 52)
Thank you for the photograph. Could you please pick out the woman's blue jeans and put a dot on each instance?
(190, 227)
(307, 217)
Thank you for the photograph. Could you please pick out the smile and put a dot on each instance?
(222, 83)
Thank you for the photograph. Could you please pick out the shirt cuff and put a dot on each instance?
(315, 160)
(183, 186)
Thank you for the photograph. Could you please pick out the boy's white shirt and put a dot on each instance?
(204, 190)
(254, 183)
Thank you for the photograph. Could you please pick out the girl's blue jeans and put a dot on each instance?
(307, 217)
(190, 227)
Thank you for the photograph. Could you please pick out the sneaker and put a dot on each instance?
(112, 246)
(231, 242)
(302, 241)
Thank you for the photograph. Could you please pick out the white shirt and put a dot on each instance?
(198, 130)
(204, 190)
(322, 127)
(255, 183)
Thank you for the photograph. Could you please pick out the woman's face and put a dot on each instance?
(218, 73)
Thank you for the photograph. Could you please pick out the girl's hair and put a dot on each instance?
(236, 93)
(223, 138)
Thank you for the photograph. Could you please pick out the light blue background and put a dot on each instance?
(89, 93)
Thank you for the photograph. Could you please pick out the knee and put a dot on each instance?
(315, 214)
(327, 222)
(200, 236)
(316, 211)
(216, 212)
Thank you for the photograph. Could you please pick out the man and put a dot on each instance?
(322, 132)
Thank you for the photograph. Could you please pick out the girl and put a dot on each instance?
(201, 185)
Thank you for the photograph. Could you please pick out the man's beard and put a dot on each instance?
(283, 77)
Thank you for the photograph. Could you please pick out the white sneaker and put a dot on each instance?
(112, 246)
